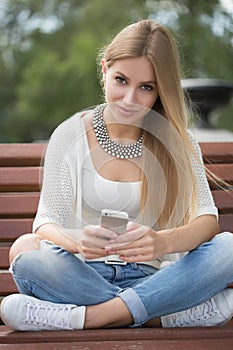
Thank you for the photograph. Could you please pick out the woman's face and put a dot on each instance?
(130, 84)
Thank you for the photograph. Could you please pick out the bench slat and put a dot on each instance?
(30, 178)
(217, 152)
(4, 258)
(7, 284)
(18, 205)
(31, 154)
(21, 154)
(226, 222)
(128, 334)
(181, 344)
(11, 229)
(20, 179)
(223, 200)
(223, 171)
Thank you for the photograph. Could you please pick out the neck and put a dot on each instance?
(121, 131)
(125, 149)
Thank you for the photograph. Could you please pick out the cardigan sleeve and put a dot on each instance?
(205, 201)
(58, 193)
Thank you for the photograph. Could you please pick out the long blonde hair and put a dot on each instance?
(167, 200)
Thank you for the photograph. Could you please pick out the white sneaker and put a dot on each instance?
(25, 313)
(215, 312)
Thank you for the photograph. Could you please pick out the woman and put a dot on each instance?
(133, 153)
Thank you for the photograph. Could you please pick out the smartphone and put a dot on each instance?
(114, 220)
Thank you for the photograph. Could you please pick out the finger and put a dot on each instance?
(130, 251)
(131, 226)
(131, 236)
(94, 242)
(99, 232)
(115, 246)
(92, 253)
(91, 256)
(96, 250)
(139, 247)
(96, 236)
(135, 258)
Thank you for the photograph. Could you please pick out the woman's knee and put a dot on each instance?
(224, 242)
(24, 243)
(225, 237)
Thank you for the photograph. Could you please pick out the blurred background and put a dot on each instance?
(49, 48)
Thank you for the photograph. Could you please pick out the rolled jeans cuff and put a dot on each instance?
(135, 306)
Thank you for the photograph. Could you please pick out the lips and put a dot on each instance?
(127, 111)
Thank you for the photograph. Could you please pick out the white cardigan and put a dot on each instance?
(61, 196)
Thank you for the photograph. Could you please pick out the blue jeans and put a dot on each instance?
(53, 274)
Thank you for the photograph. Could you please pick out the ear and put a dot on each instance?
(104, 68)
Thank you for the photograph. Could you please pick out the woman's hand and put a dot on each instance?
(139, 243)
(93, 241)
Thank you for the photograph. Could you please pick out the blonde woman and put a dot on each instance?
(134, 153)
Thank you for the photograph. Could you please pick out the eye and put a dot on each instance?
(147, 87)
(121, 80)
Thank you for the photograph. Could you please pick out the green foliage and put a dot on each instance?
(49, 49)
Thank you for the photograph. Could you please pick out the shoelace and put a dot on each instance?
(56, 316)
(198, 313)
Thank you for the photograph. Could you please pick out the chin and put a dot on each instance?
(128, 115)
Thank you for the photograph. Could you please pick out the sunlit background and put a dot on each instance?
(49, 48)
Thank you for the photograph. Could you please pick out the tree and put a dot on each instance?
(49, 47)
(204, 32)
(58, 72)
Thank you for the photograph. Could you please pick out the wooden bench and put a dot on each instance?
(21, 167)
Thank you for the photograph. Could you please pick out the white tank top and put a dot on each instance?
(100, 193)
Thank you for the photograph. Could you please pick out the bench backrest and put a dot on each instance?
(20, 180)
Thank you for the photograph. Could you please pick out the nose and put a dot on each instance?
(130, 96)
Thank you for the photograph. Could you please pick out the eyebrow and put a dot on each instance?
(143, 82)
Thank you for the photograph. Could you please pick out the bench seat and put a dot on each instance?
(21, 171)
(122, 339)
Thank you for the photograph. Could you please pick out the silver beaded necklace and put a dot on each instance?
(110, 146)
